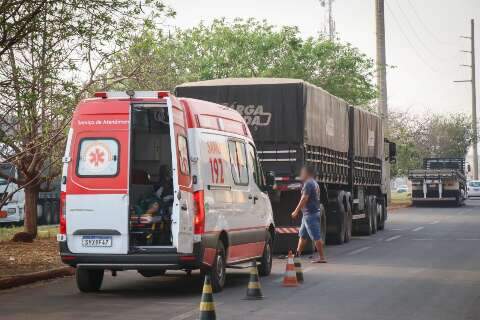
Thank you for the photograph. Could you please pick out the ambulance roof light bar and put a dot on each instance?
(131, 94)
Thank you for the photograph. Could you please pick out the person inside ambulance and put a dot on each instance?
(155, 210)
(157, 206)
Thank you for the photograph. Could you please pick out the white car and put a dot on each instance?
(153, 183)
(474, 188)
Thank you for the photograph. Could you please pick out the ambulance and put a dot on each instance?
(152, 182)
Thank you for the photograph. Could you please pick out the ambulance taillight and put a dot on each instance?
(199, 211)
(63, 214)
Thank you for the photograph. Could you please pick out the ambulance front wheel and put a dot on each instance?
(89, 280)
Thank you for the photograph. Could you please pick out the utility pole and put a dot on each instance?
(382, 81)
(381, 62)
(474, 97)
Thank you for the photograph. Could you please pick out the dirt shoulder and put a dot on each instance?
(24, 258)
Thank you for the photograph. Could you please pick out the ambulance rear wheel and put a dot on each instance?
(89, 280)
(265, 266)
(217, 271)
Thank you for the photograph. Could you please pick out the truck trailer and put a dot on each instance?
(295, 123)
(440, 180)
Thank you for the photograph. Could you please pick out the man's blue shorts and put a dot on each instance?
(310, 227)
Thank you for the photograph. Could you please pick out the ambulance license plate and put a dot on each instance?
(96, 241)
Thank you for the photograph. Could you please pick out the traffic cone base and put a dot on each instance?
(207, 306)
(290, 278)
(254, 290)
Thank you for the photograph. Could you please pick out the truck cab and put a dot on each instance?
(152, 183)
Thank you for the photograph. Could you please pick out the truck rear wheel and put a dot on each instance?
(89, 280)
(349, 224)
(323, 223)
(383, 215)
(341, 218)
(374, 214)
(367, 228)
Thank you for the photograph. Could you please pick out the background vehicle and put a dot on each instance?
(13, 212)
(295, 123)
(440, 180)
(211, 211)
(473, 188)
(402, 189)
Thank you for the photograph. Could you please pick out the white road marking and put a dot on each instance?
(468, 239)
(397, 229)
(358, 251)
(185, 315)
(418, 229)
(392, 238)
(434, 222)
(190, 313)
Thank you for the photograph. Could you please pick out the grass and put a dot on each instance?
(44, 232)
(403, 198)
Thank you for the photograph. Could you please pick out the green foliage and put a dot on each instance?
(432, 136)
(245, 48)
(60, 57)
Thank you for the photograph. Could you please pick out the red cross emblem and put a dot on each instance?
(97, 157)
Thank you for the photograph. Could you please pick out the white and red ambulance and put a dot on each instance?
(152, 182)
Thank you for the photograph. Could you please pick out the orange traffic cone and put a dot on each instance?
(290, 278)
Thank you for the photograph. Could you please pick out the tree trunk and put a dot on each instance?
(31, 200)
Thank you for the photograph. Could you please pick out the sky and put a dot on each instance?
(422, 40)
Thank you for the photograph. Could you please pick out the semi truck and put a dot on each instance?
(295, 123)
(440, 180)
(13, 211)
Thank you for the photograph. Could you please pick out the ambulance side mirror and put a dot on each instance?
(270, 180)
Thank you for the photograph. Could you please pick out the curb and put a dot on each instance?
(23, 279)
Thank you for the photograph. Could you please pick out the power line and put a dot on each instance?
(425, 26)
(409, 41)
(422, 43)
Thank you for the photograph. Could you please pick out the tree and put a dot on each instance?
(16, 20)
(417, 137)
(45, 74)
(245, 48)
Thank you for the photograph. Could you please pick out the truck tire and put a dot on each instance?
(383, 216)
(374, 214)
(323, 223)
(340, 215)
(89, 280)
(349, 224)
(367, 227)
(265, 267)
(217, 271)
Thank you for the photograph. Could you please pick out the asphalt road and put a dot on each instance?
(425, 265)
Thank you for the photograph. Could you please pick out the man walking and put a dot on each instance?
(310, 206)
